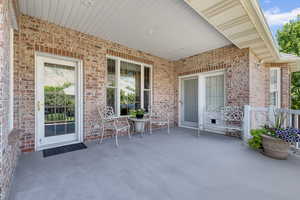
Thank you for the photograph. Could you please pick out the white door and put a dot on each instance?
(58, 101)
(189, 102)
(212, 99)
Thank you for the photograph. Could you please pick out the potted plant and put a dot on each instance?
(273, 146)
(274, 141)
(256, 141)
(139, 113)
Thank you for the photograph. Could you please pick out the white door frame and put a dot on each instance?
(180, 102)
(39, 57)
(201, 94)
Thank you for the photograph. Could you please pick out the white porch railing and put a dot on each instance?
(256, 117)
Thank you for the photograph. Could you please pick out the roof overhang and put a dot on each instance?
(292, 61)
(242, 22)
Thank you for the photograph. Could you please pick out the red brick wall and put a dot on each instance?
(36, 34)
(285, 87)
(234, 61)
(259, 83)
(245, 82)
(285, 83)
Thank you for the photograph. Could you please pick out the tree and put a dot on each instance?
(289, 37)
(289, 42)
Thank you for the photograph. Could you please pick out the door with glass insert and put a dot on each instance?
(57, 101)
(189, 102)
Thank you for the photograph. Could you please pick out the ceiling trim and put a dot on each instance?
(234, 22)
(243, 33)
(240, 21)
(255, 13)
(219, 7)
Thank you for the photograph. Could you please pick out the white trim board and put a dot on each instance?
(79, 96)
(118, 66)
(201, 92)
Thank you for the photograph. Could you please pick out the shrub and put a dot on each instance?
(256, 141)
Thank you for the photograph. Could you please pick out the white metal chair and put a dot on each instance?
(159, 115)
(109, 121)
(227, 118)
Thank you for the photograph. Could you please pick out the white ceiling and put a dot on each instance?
(166, 28)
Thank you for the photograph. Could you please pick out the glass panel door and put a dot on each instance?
(189, 107)
(57, 101)
(214, 99)
(214, 92)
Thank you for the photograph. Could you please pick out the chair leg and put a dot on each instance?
(116, 136)
(150, 127)
(198, 132)
(129, 133)
(102, 135)
(168, 128)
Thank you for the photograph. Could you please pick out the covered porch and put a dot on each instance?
(158, 166)
(63, 62)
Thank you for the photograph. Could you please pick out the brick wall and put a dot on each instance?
(246, 83)
(259, 82)
(8, 145)
(35, 34)
(234, 61)
(285, 83)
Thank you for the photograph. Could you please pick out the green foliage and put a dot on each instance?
(128, 97)
(289, 37)
(133, 113)
(54, 117)
(289, 41)
(256, 141)
(55, 96)
(295, 90)
(280, 118)
(59, 104)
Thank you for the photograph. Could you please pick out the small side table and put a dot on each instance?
(139, 124)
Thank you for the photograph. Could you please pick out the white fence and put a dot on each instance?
(257, 117)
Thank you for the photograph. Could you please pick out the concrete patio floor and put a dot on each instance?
(158, 166)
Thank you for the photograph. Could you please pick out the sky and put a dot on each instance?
(279, 12)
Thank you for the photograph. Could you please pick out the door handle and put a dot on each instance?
(39, 104)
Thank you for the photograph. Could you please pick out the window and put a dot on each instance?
(128, 85)
(147, 88)
(214, 92)
(11, 79)
(111, 91)
(275, 87)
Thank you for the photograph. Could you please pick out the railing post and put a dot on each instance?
(247, 123)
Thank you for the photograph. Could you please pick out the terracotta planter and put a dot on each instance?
(275, 148)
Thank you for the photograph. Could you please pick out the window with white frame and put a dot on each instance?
(11, 79)
(215, 92)
(128, 85)
(275, 87)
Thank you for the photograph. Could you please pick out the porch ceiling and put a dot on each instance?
(170, 29)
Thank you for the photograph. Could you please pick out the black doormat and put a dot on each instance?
(63, 149)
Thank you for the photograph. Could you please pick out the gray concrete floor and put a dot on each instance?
(158, 166)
